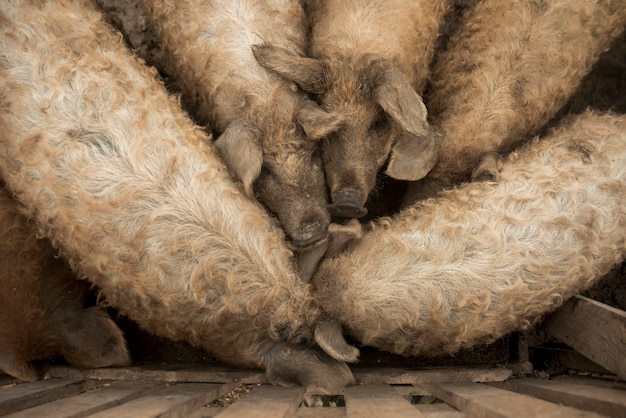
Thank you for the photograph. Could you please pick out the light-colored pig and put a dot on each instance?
(488, 258)
(268, 130)
(133, 194)
(507, 70)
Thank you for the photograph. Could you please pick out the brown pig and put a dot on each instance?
(369, 61)
(268, 130)
(42, 306)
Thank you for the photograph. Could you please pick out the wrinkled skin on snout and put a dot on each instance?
(385, 123)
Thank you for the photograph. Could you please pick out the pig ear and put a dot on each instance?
(308, 73)
(396, 96)
(316, 122)
(413, 156)
(241, 153)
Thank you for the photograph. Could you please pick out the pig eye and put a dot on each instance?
(266, 170)
(381, 123)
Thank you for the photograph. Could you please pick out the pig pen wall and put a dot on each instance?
(603, 89)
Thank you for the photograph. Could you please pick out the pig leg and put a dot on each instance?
(320, 374)
(21, 369)
(91, 339)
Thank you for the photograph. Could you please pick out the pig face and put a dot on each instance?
(278, 161)
(385, 123)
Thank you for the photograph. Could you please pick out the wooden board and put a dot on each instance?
(461, 396)
(596, 330)
(377, 401)
(481, 400)
(178, 400)
(28, 395)
(266, 401)
(606, 401)
(414, 377)
(92, 401)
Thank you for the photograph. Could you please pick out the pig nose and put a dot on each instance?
(310, 233)
(347, 204)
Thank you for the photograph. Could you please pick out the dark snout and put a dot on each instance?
(310, 233)
(347, 204)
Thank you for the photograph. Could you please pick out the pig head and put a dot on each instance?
(385, 122)
(277, 158)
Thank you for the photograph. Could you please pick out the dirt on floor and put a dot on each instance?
(603, 89)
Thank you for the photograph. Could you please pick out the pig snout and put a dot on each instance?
(309, 233)
(347, 204)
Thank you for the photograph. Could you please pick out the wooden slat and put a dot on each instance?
(176, 373)
(606, 401)
(7, 380)
(266, 401)
(304, 412)
(480, 400)
(438, 410)
(377, 401)
(596, 330)
(92, 401)
(376, 376)
(178, 400)
(28, 395)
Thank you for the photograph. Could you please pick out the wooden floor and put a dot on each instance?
(593, 330)
(186, 392)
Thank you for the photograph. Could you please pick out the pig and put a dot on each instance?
(136, 198)
(370, 61)
(42, 306)
(268, 129)
(487, 258)
(506, 72)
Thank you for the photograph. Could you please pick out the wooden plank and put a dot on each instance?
(438, 410)
(28, 395)
(266, 401)
(6, 380)
(481, 400)
(178, 400)
(605, 401)
(596, 330)
(92, 401)
(376, 376)
(211, 409)
(377, 401)
(174, 373)
(304, 412)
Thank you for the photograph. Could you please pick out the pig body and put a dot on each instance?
(368, 60)
(507, 70)
(488, 258)
(134, 196)
(268, 129)
(42, 306)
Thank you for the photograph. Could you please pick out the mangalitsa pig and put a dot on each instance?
(136, 198)
(488, 258)
(268, 130)
(368, 60)
(507, 70)
(42, 306)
